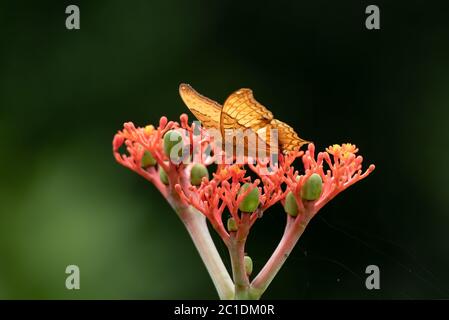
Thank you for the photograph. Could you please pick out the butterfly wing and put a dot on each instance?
(204, 109)
(288, 138)
(241, 112)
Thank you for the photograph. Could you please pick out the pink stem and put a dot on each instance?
(195, 223)
(293, 231)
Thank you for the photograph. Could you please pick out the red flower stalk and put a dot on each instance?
(234, 189)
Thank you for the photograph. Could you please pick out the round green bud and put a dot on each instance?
(197, 173)
(248, 265)
(172, 138)
(311, 190)
(163, 176)
(290, 206)
(251, 201)
(232, 225)
(148, 160)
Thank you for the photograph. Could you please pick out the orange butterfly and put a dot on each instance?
(240, 111)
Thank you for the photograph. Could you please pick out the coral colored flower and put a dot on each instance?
(221, 196)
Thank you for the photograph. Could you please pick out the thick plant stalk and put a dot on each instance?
(293, 231)
(196, 225)
(241, 282)
(237, 254)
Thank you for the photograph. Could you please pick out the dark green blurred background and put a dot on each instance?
(63, 95)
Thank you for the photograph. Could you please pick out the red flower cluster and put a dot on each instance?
(224, 189)
(338, 167)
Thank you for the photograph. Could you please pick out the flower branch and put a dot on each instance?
(175, 157)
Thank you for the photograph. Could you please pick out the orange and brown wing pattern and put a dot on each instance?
(241, 110)
(205, 110)
(288, 138)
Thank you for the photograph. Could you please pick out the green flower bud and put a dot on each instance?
(251, 201)
(290, 206)
(232, 225)
(163, 176)
(148, 160)
(248, 265)
(172, 138)
(197, 173)
(311, 190)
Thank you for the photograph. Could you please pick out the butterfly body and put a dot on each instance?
(241, 112)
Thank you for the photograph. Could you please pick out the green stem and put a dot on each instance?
(241, 282)
(237, 254)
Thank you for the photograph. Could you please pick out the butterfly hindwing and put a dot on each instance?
(288, 138)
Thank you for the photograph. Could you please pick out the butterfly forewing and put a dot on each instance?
(242, 110)
(205, 110)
